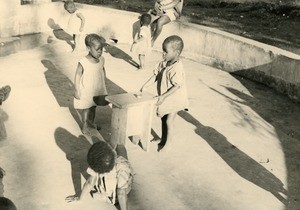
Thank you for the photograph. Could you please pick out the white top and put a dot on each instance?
(92, 83)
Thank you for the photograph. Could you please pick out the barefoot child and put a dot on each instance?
(164, 12)
(142, 40)
(110, 176)
(171, 87)
(90, 81)
(76, 22)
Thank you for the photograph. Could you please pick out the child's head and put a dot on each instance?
(145, 19)
(70, 6)
(7, 204)
(2, 173)
(172, 47)
(94, 43)
(101, 157)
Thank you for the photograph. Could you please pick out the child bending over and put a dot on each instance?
(76, 22)
(90, 81)
(110, 175)
(142, 40)
(171, 88)
(164, 12)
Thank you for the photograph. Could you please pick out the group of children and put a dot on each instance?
(109, 168)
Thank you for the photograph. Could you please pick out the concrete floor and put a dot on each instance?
(236, 148)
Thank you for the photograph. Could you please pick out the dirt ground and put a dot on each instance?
(273, 24)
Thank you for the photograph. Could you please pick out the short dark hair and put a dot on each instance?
(101, 157)
(68, 3)
(176, 41)
(2, 173)
(90, 38)
(145, 19)
(7, 204)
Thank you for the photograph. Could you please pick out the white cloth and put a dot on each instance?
(92, 83)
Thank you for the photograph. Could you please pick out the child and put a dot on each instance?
(110, 176)
(2, 173)
(164, 11)
(90, 81)
(142, 40)
(76, 22)
(171, 88)
(4, 93)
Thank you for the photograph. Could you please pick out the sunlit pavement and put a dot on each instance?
(236, 148)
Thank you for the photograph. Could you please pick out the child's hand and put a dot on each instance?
(160, 100)
(141, 90)
(72, 198)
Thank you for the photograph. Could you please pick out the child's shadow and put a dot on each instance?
(76, 149)
(59, 33)
(61, 87)
(120, 54)
(240, 162)
(3, 118)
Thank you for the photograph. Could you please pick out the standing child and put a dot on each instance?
(90, 81)
(142, 40)
(76, 22)
(171, 87)
(111, 176)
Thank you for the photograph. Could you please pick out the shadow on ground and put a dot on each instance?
(240, 162)
(120, 54)
(283, 115)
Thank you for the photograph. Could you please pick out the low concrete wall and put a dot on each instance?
(264, 63)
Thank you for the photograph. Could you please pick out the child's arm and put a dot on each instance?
(122, 198)
(87, 187)
(78, 75)
(170, 5)
(149, 82)
(171, 91)
(82, 18)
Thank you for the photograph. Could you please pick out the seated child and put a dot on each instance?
(142, 40)
(110, 176)
(164, 12)
(90, 82)
(171, 88)
(76, 22)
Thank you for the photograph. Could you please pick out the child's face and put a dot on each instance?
(169, 53)
(1, 188)
(95, 49)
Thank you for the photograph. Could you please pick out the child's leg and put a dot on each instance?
(85, 115)
(91, 116)
(76, 38)
(142, 61)
(169, 129)
(164, 130)
(163, 20)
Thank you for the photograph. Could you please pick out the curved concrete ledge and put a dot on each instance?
(272, 66)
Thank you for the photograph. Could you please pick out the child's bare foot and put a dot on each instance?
(86, 130)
